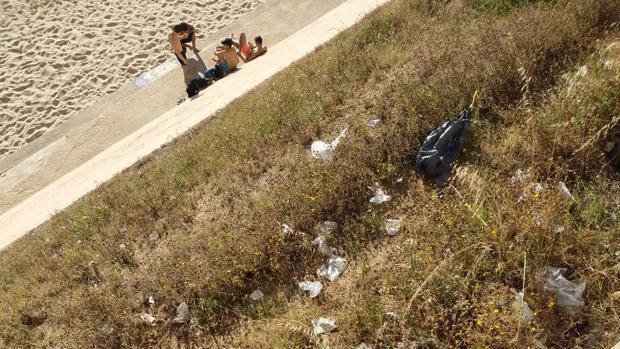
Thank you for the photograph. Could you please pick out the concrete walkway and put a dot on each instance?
(99, 126)
(63, 192)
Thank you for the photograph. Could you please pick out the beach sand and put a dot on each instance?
(59, 57)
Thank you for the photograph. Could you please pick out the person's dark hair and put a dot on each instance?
(258, 40)
(181, 27)
(227, 42)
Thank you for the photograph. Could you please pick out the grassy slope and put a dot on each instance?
(201, 215)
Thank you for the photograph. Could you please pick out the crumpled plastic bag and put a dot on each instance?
(521, 308)
(380, 196)
(312, 287)
(372, 123)
(442, 146)
(328, 227)
(392, 226)
(323, 325)
(568, 293)
(182, 314)
(323, 247)
(323, 151)
(332, 268)
(564, 192)
(256, 295)
(148, 318)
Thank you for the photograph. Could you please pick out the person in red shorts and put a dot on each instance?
(247, 51)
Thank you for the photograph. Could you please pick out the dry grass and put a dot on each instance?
(198, 220)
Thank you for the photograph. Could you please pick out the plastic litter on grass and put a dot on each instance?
(312, 287)
(148, 318)
(323, 326)
(256, 295)
(324, 151)
(568, 293)
(182, 314)
(380, 196)
(521, 308)
(332, 269)
(564, 192)
(392, 226)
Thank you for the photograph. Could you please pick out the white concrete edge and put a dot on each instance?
(58, 195)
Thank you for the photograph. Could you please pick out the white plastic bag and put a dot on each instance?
(568, 293)
(323, 151)
(323, 325)
(332, 268)
(256, 295)
(392, 226)
(380, 196)
(521, 308)
(564, 192)
(312, 287)
(182, 314)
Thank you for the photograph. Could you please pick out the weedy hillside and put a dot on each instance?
(199, 223)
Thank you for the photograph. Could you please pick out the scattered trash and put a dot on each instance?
(559, 229)
(568, 293)
(148, 318)
(256, 295)
(323, 151)
(363, 346)
(380, 196)
(521, 308)
(332, 268)
(323, 247)
(151, 300)
(323, 325)
(182, 313)
(374, 122)
(518, 177)
(287, 230)
(442, 146)
(533, 188)
(122, 230)
(312, 287)
(107, 329)
(328, 227)
(398, 179)
(566, 195)
(393, 316)
(609, 64)
(392, 226)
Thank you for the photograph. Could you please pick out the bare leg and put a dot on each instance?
(186, 74)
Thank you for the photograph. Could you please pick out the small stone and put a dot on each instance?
(151, 300)
(122, 230)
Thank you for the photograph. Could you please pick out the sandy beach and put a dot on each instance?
(59, 57)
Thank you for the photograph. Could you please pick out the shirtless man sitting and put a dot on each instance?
(247, 51)
(226, 55)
